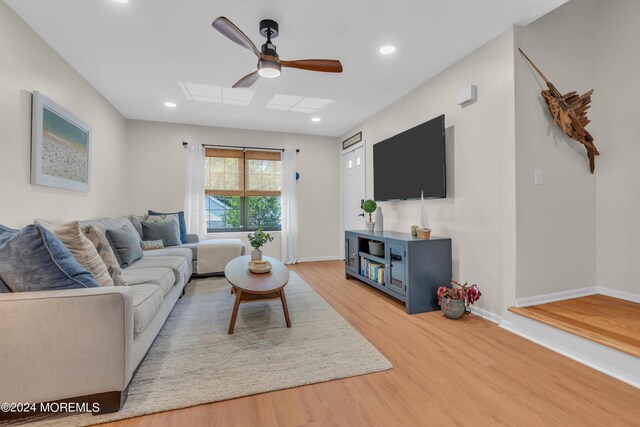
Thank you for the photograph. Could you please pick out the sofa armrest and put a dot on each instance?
(192, 238)
(62, 344)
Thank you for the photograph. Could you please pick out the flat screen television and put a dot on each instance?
(410, 163)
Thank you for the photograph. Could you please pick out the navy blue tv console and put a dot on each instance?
(410, 270)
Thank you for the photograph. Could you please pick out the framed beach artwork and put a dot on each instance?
(60, 147)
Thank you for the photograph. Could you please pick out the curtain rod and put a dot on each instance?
(185, 144)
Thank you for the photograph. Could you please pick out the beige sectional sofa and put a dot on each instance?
(88, 342)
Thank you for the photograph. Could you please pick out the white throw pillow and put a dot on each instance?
(81, 248)
(101, 243)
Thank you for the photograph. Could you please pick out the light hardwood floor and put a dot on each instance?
(608, 321)
(460, 373)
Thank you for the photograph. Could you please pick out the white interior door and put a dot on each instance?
(353, 168)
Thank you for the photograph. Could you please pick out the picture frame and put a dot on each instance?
(352, 140)
(60, 146)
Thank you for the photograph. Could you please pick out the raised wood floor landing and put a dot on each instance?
(445, 373)
(608, 321)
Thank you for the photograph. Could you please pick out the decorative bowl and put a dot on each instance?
(259, 267)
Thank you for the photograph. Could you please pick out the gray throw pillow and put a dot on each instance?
(167, 231)
(125, 245)
(4, 288)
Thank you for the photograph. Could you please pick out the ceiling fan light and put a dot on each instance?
(269, 69)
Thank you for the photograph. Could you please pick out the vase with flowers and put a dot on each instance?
(455, 300)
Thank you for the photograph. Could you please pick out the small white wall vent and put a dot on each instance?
(468, 95)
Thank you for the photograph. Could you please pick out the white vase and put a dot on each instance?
(369, 226)
(256, 255)
(379, 220)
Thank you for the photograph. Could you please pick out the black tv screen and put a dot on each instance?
(411, 162)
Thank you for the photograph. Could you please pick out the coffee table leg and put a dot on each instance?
(284, 308)
(232, 325)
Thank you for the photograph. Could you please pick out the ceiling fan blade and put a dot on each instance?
(323, 65)
(233, 33)
(247, 80)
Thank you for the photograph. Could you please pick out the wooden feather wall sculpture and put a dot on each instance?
(570, 113)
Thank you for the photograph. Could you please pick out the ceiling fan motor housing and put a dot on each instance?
(269, 49)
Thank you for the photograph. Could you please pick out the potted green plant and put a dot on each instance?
(369, 206)
(455, 300)
(257, 240)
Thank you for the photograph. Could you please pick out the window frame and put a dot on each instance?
(243, 194)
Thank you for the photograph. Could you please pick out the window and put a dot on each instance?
(242, 190)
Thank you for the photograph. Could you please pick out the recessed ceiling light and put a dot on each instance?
(315, 119)
(121, 1)
(170, 104)
(387, 50)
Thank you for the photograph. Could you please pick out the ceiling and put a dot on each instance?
(144, 53)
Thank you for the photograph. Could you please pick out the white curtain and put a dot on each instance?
(194, 202)
(289, 207)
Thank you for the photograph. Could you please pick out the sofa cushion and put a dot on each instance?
(183, 223)
(125, 245)
(181, 250)
(106, 223)
(159, 276)
(81, 248)
(99, 240)
(33, 259)
(179, 264)
(167, 231)
(147, 299)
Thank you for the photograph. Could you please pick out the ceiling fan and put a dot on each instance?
(269, 63)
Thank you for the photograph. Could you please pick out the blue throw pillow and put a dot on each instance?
(33, 259)
(183, 224)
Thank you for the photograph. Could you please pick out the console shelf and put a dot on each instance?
(372, 257)
(410, 271)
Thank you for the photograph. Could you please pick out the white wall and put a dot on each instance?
(157, 166)
(479, 211)
(556, 221)
(29, 64)
(616, 98)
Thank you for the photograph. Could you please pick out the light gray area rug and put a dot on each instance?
(194, 361)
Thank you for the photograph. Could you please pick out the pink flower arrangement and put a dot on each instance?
(468, 293)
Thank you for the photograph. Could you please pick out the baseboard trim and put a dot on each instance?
(486, 314)
(556, 296)
(616, 364)
(321, 258)
(627, 296)
(576, 293)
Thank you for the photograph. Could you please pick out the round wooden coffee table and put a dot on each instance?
(251, 287)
